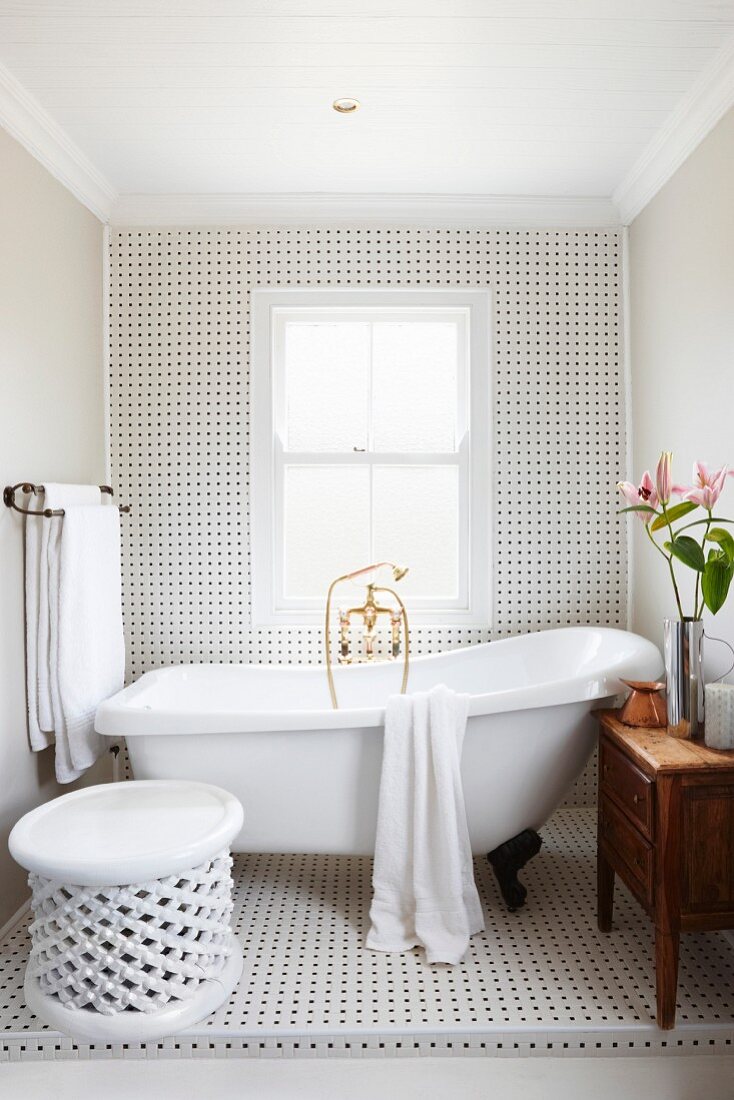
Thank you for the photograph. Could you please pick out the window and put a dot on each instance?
(370, 441)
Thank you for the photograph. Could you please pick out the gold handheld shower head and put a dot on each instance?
(398, 571)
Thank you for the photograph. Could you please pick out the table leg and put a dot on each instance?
(604, 892)
(668, 874)
(666, 976)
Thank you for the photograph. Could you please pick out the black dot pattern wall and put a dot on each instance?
(180, 419)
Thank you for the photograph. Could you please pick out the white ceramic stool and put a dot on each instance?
(132, 895)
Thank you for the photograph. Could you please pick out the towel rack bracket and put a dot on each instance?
(29, 489)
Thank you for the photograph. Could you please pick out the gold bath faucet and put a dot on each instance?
(370, 613)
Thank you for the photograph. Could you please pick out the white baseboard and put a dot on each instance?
(16, 918)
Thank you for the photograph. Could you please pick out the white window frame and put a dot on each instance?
(270, 307)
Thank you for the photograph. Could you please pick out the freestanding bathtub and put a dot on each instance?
(308, 775)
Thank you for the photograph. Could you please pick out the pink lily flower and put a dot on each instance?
(663, 477)
(707, 485)
(644, 493)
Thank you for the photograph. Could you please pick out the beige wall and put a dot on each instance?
(681, 254)
(51, 426)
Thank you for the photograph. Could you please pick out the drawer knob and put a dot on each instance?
(605, 769)
(639, 862)
(638, 798)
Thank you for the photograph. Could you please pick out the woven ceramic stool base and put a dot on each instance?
(138, 946)
(130, 1026)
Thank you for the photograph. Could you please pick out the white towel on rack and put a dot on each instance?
(87, 643)
(40, 733)
(41, 534)
(55, 496)
(423, 878)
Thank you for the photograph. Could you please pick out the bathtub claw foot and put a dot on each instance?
(508, 859)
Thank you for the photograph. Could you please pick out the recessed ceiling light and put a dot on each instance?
(346, 105)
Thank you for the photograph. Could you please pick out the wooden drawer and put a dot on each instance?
(627, 785)
(621, 839)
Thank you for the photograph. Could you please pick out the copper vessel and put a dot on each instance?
(645, 707)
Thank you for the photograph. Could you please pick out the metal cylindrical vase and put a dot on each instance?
(684, 675)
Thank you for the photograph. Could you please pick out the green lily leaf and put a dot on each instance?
(724, 539)
(704, 522)
(715, 582)
(673, 514)
(637, 508)
(688, 551)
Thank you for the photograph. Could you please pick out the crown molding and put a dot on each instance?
(711, 95)
(709, 98)
(417, 209)
(25, 119)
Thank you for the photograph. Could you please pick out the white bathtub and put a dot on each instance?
(308, 776)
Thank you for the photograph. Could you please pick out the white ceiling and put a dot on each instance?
(482, 97)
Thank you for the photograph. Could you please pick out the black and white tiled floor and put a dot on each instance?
(539, 981)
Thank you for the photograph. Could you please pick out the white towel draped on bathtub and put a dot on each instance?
(423, 879)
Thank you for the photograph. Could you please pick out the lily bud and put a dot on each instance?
(663, 477)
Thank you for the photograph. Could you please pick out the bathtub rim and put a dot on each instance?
(118, 717)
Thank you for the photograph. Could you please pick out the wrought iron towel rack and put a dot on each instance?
(28, 487)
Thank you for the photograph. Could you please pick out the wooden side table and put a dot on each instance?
(666, 827)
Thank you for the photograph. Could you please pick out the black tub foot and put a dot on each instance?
(510, 858)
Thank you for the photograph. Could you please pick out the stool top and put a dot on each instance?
(120, 833)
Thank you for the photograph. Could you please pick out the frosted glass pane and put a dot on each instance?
(416, 523)
(327, 384)
(326, 526)
(414, 386)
